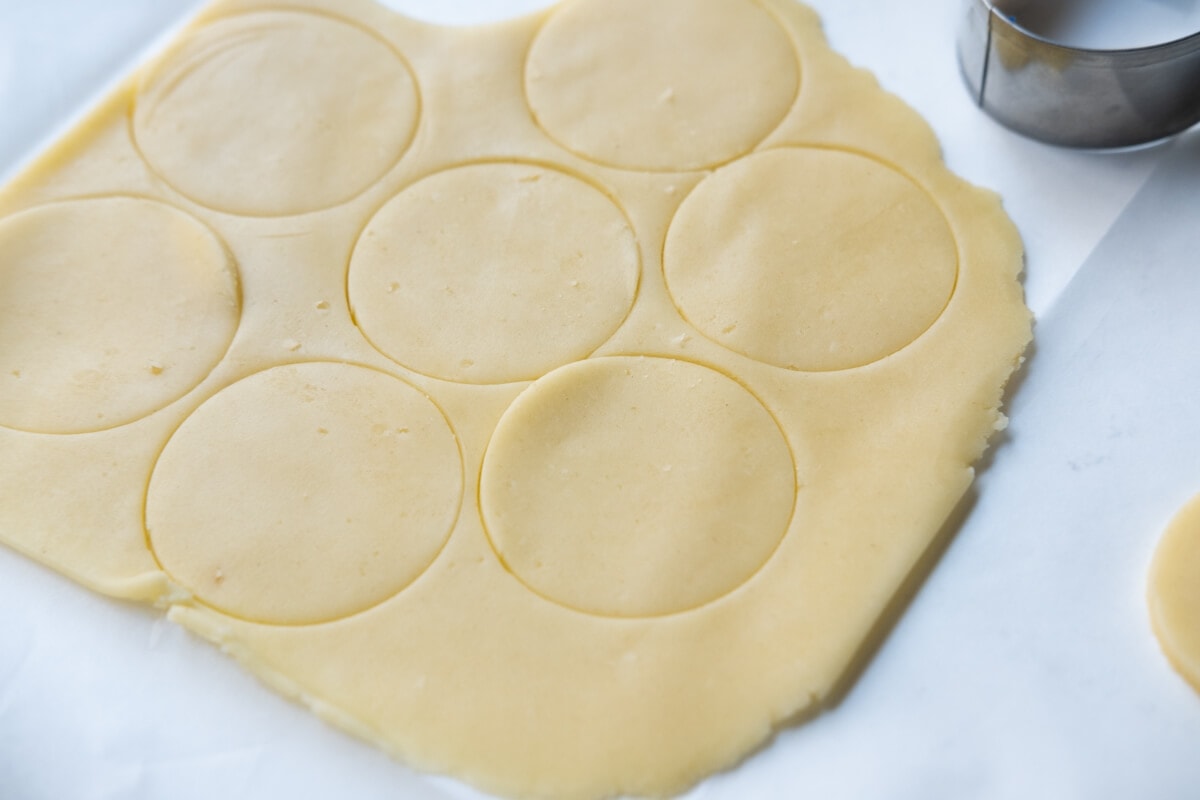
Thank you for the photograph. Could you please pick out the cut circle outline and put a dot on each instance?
(231, 263)
(589, 181)
(404, 148)
(787, 528)
(887, 164)
(451, 528)
(708, 165)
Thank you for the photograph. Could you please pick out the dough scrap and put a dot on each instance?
(1174, 592)
(467, 385)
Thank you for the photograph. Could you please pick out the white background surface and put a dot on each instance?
(1024, 667)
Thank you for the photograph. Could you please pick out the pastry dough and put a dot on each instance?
(1174, 593)
(557, 404)
(625, 446)
(519, 248)
(88, 349)
(295, 136)
(708, 83)
(810, 258)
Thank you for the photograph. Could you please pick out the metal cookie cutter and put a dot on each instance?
(1074, 96)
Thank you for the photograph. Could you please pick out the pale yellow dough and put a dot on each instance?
(1174, 593)
(625, 446)
(109, 309)
(342, 481)
(519, 248)
(293, 137)
(558, 405)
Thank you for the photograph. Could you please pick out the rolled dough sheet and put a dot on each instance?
(1174, 593)
(557, 404)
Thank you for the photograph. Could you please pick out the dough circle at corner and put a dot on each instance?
(636, 487)
(810, 259)
(305, 493)
(330, 109)
(1175, 592)
(491, 273)
(661, 85)
(110, 309)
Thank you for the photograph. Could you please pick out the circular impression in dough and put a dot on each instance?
(305, 493)
(664, 85)
(810, 259)
(1175, 592)
(110, 309)
(329, 110)
(491, 273)
(636, 487)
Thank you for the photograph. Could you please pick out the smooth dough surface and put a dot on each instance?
(557, 405)
(305, 493)
(810, 259)
(1174, 592)
(491, 273)
(589, 486)
(640, 85)
(329, 109)
(109, 309)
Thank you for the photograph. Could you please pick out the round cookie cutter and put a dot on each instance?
(1073, 96)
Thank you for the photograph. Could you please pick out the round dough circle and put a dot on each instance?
(110, 309)
(305, 493)
(664, 85)
(810, 259)
(491, 273)
(636, 487)
(1175, 592)
(330, 109)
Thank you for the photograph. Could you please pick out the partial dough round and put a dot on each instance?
(636, 487)
(110, 309)
(328, 110)
(810, 259)
(1175, 592)
(305, 493)
(662, 85)
(491, 273)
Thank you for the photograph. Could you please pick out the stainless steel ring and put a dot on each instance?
(1073, 96)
